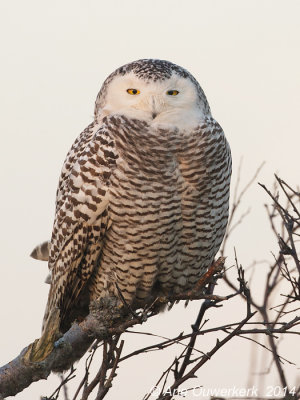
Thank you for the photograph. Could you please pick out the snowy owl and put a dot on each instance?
(142, 200)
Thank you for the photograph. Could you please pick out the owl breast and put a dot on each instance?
(167, 211)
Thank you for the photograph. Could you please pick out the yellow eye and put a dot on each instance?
(172, 92)
(133, 91)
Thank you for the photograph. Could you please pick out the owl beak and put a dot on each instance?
(155, 105)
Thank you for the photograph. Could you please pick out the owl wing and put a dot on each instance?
(218, 166)
(80, 220)
(41, 251)
(75, 152)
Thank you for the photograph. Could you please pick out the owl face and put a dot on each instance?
(156, 102)
(155, 91)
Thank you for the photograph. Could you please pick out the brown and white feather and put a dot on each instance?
(140, 205)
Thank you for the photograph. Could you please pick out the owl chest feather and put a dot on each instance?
(160, 211)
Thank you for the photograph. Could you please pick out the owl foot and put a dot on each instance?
(126, 304)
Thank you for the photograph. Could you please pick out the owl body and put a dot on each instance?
(167, 209)
(142, 202)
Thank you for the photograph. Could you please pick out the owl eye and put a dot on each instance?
(172, 92)
(133, 91)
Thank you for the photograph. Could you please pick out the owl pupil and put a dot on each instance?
(172, 92)
(133, 91)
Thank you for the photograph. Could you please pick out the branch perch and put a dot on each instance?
(108, 317)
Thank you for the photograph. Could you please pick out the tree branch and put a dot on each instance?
(108, 317)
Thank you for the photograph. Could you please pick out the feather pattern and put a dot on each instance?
(142, 201)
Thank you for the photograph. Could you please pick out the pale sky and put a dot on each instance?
(55, 56)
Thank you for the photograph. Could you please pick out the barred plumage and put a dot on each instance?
(142, 201)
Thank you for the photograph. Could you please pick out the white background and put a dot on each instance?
(54, 58)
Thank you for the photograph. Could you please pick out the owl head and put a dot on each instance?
(156, 91)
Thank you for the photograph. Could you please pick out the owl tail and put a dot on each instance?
(42, 347)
